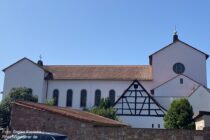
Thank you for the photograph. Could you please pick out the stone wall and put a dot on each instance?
(23, 118)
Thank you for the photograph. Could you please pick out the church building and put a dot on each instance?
(141, 94)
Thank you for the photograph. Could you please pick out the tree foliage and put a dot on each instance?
(5, 112)
(105, 109)
(179, 115)
(24, 94)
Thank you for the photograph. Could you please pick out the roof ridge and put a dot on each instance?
(100, 72)
(176, 77)
(24, 58)
(183, 43)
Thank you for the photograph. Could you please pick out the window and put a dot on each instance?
(83, 98)
(55, 96)
(152, 92)
(181, 81)
(69, 98)
(178, 68)
(112, 97)
(158, 125)
(97, 97)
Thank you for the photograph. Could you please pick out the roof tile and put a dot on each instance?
(100, 72)
(72, 113)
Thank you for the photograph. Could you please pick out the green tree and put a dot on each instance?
(5, 111)
(105, 109)
(24, 94)
(179, 115)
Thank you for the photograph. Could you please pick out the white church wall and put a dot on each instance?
(25, 74)
(143, 121)
(148, 85)
(163, 61)
(200, 100)
(90, 85)
(166, 101)
(179, 86)
(177, 90)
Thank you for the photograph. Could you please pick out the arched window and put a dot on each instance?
(83, 98)
(56, 96)
(97, 97)
(112, 96)
(69, 97)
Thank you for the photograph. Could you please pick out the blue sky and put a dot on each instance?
(98, 31)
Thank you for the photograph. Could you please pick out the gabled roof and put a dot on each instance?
(134, 99)
(100, 72)
(20, 61)
(198, 88)
(208, 89)
(150, 57)
(72, 113)
(175, 78)
(94, 72)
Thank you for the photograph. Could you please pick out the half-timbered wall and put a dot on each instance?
(137, 108)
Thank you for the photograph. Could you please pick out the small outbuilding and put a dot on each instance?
(202, 120)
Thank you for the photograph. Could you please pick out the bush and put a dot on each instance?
(104, 109)
(50, 102)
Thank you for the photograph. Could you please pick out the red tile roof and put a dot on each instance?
(72, 113)
(100, 72)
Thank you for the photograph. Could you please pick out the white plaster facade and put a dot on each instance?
(200, 99)
(165, 83)
(163, 61)
(177, 90)
(145, 122)
(25, 74)
(91, 86)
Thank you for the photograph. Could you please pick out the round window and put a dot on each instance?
(178, 68)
